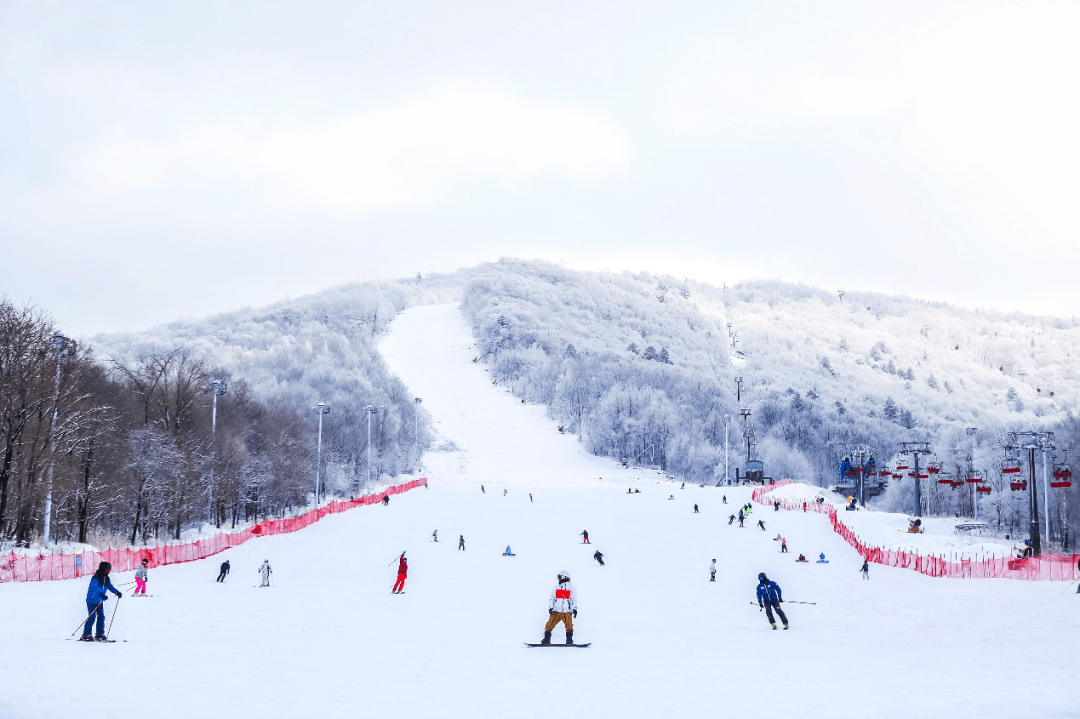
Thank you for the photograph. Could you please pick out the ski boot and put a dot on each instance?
(547, 638)
(569, 638)
(101, 639)
(785, 627)
(774, 627)
(86, 638)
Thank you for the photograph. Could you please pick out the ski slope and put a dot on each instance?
(329, 640)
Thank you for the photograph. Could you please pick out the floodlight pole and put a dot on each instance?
(60, 343)
(217, 387)
(370, 411)
(971, 431)
(416, 429)
(321, 408)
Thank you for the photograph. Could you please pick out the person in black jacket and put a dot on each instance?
(598, 557)
(224, 571)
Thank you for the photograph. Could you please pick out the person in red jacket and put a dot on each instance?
(402, 571)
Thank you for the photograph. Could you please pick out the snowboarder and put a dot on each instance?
(637, 491)
(385, 500)
(761, 524)
(671, 496)
(712, 571)
(402, 572)
(96, 595)
(822, 560)
(265, 571)
(586, 535)
(730, 520)
(562, 607)
(695, 510)
(865, 569)
(598, 556)
(224, 571)
(461, 542)
(140, 579)
(508, 553)
(769, 598)
(435, 536)
(802, 558)
(783, 546)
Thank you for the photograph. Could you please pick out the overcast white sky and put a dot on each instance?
(166, 160)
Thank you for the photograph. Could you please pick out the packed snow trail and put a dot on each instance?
(327, 639)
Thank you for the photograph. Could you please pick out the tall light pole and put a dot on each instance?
(321, 408)
(416, 429)
(60, 343)
(971, 431)
(1033, 441)
(727, 424)
(370, 411)
(217, 387)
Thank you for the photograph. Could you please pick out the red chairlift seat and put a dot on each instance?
(932, 469)
(897, 476)
(1018, 486)
(1011, 470)
(981, 489)
(944, 481)
(901, 467)
(1062, 474)
(974, 480)
(1062, 484)
(957, 483)
(924, 476)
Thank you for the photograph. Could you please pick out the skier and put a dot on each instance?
(402, 571)
(724, 499)
(224, 571)
(783, 546)
(530, 498)
(562, 607)
(712, 571)
(140, 579)
(461, 542)
(776, 506)
(804, 506)
(598, 556)
(265, 571)
(741, 518)
(508, 553)
(95, 600)
(385, 500)
(865, 569)
(504, 492)
(730, 520)
(695, 509)
(629, 491)
(777, 537)
(586, 535)
(637, 491)
(482, 489)
(435, 535)
(761, 524)
(683, 486)
(769, 598)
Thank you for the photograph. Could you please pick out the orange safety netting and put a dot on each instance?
(1044, 567)
(24, 568)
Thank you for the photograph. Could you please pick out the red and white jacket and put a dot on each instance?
(563, 598)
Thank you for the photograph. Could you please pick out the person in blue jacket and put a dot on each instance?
(95, 602)
(770, 598)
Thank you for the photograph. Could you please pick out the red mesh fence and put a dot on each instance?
(1044, 567)
(23, 568)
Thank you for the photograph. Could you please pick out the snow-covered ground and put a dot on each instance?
(329, 640)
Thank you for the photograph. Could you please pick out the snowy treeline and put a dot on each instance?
(644, 366)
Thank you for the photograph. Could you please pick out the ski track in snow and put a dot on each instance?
(329, 640)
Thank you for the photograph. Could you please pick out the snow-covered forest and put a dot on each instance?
(653, 370)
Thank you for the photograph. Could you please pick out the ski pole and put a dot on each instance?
(396, 559)
(1069, 586)
(113, 617)
(83, 622)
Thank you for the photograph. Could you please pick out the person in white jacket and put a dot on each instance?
(265, 571)
(562, 607)
(712, 571)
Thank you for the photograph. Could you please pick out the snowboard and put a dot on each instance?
(822, 561)
(569, 646)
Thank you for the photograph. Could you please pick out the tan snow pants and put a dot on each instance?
(565, 617)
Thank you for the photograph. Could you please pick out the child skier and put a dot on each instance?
(402, 572)
(224, 571)
(95, 600)
(783, 546)
(712, 571)
(265, 571)
(769, 598)
(562, 607)
(140, 579)
(598, 556)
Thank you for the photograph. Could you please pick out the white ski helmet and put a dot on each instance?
(564, 574)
